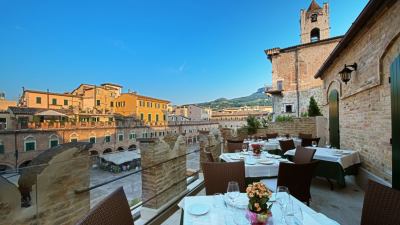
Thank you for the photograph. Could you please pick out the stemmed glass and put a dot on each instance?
(233, 190)
(293, 215)
(282, 198)
(328, 145)
(314, 144)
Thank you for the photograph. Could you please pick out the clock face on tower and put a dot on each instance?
(314, 17)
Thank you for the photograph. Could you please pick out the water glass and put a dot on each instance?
(218, 200)
(293, 215)
(233, 190)
(282, 197)
(314, 144)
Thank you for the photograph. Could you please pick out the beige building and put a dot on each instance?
(293, 67)
(362, 110)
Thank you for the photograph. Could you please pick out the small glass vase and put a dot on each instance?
(259, 218)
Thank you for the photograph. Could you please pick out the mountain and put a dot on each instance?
(257, 98)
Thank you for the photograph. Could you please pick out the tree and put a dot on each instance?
(252, 124)
(313, 109)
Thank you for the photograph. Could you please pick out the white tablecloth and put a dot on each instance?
(346, 158)
(272, 144)
(220, 215)
(256, 170)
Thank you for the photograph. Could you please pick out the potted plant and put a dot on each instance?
(259, 210)
(256, 149)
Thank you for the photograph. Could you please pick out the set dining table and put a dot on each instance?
(271, 144)
(264, 165)
(220, 210)
(334, 163)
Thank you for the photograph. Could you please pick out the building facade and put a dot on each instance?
(359, 111)
(293, 67)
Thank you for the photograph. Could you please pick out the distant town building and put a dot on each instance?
(150, 110)
(193, 112)
(293, 68)
(4, 103)
(236, 117)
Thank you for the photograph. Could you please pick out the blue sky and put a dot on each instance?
(184, 51)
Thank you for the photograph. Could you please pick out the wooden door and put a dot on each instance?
(395, 97)
(334, 133)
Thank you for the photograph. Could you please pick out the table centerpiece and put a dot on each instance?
(259, 210)
(256, 149)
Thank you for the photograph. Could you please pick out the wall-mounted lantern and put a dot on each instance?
(345, 74)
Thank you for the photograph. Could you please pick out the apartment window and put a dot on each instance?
(98, 102)
(164, 117)
(120, 137)
(1, 147)
(53, 143)
(148, 104)
(111, 104)
(156, 117)
(132, 136)
(54, 101)
(3, 123)
(92, 140)
(289, 108)
(108, 139)
(38, 100)
(65, 102)
(141, 116)
(149, 117)
(279, 85)
(30, 144)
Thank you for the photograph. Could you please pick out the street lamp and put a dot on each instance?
(345, 74)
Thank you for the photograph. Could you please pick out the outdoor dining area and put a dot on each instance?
(253, 183)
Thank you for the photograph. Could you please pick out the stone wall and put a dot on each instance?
(50, 183)
(298, 125)
(210, 142)
(164, 172)
(365, 103)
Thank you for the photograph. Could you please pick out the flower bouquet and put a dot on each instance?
(256, 149)
(259, 211)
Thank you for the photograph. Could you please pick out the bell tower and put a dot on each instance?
(314, 23)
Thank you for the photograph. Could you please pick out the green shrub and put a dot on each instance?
(252, 125)
(284, 118)
(304, 114)
(313, 109)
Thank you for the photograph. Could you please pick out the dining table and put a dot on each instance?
(334, 163)
(271, 144)
(220, 210)
(263, 166)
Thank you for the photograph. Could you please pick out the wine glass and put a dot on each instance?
(282, 197)
(314, 144)
(293, 214)
(233, 190)
(328, 145)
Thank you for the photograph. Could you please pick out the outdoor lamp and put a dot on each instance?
(345, 74)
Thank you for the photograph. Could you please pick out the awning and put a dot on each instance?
(50, 113)
(120, 157)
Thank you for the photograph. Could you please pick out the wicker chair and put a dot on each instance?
(209, 156)
(297, 177)
(303, 155)
(286, 145)
(301, 135)
(114, 209)
(235, 145)
(272, 135)
(381, 205)
(306, 142)
(218, 174)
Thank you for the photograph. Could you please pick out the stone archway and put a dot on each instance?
(24, 164)
(120, 149)
(108, 150)
(132, 147)
(5, 168)
(93, 152)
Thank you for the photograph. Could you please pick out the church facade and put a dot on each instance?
(293, 68)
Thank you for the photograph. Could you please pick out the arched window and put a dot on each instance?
(314, 36)
(29, 144)
(73, 137)
(53, 141)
